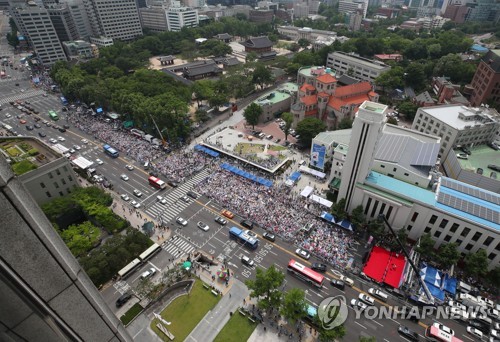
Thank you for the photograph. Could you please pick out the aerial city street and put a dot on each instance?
(224, 181)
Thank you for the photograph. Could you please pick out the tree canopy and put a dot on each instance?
(308, 129)
(252, 114)
(266, 286)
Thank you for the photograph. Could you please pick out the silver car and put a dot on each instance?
(181, 221)
(203, 226)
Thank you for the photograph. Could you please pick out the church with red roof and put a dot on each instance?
(322, 96)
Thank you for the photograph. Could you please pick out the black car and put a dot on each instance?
(41, 134)
(269, 236)
(173, 184)
(246, 223)
(480, 326)
(62, 130)
(66, 126)
(318, 267)
(29, 128)
(411, 335)
(192, 195)
(465, 149)
(123, 299)
(154, 174)
(37, 125)
(338, 284)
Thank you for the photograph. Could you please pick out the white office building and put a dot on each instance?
(179, 17)
(346, 6)
(116, 19)
(361, 68)
(449, 210)
(458, 125)
(35, 24)
(80, 18)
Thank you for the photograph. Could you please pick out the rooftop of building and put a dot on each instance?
(26, 154)
(392, 187)
(365, 61)
(257, 42)
(492, 59)
(285, 91)
(480, 158)
(449, 114)
(315, 71)
(374, 107)
(341, 136)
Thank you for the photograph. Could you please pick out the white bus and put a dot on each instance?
(124, 272)
(148, 253)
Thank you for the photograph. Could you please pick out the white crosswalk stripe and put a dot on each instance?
(177, 246)
(174, 205)
(22, 96)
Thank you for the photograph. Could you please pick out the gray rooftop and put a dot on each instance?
(450, 115)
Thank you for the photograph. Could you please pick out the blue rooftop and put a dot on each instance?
(414, 193)
(478, 48)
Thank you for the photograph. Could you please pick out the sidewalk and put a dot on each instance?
(214, 320)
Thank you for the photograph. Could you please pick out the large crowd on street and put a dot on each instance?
(279, 211)
(276, 208)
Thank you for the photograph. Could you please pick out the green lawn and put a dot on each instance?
(186, 312)
(23, 167)
(276, 148)
(246, 148)
(238, 328)
(131, 313)
(14, 151)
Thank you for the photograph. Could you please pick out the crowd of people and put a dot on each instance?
(279, 211)
(176, 166)
(276, 208)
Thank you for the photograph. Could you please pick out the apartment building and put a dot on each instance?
(179, 17)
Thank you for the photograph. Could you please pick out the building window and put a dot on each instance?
(443, 223)
(394, 169)
(50, 175)
(414, 217)
(492, 256)
(382, 166)
(48, 194)
(65, 168)
(488, 241)
(389, 212)
(382, 208)
(70, 178)
(476, 236)
(437, 233)
(447, 238)
(374, 208)
(63, 181)
(465, 232)
(368, 206)
(58, 172)
(433, 219)
(469, 246)
(42, 185)
(56, 185)
(406, 174)
(61, 193)
(409, 228)
(454, 227)
(427, 230)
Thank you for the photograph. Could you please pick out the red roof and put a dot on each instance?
(393, 56)
(336, 103)
(309, 100)
(312, 112)
(326, 78)
(353, 89)
(307, 86)
(323, 94)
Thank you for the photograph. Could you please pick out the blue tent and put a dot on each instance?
(247, 175)
(295, 176)
(479, 48)
(346, 225)
(328, 217)
(206, 150)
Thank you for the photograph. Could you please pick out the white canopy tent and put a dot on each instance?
(312, 172)
(321, 201)
(307, 191)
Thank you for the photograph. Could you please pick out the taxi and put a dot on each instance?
(227, 214)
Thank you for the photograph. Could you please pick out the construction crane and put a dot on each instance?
(428, 294)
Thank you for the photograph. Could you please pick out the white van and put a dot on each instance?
(379, 294)
(146, 165)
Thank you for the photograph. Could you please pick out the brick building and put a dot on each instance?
(486, 81)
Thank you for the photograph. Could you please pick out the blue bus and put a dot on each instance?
(243, 237)
(64, 101)
(110, 151)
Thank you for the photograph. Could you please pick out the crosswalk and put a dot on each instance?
(178, 246)
(170, 210)
(29, 93)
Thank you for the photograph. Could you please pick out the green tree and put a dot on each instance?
(391, 79)
(201, 115)
(367, 339)
(426, 247)
(303, 43)
(434, 51)
(345, 123)
(453, 67)
(415, 76)
(288, 119)
(409, 109)
(203, 90)
(80, 238)
(376, 228)
(266, 286)
(308, 129)
(252, 114)
(328, 335)
(392, 121)
(476, 264)
(294, 305)
(448, 255)
(358, 217)
(262, 76)
(251, 57)
(338, 209)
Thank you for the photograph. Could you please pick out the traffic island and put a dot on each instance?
(185, 312)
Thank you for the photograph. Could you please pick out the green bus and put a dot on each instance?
(53, 115)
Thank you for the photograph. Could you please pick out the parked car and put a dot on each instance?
(366, 298)
(357, 303)
(247, 223)
(475, 332)
(148, 274)
(203, 226)
(318, 267)
(409, 334)
(41, 134)
(302, 253)
(220, 220)
(227, 213)
(181, 221)
(269, 236)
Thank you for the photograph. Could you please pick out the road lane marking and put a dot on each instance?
(362, 326)
(468, 337)
(374, 321)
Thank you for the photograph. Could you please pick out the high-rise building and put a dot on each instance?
(486, 80)
(80, 17)
(179, 17)
(353, 6)
(116, 19)
(63, 22)
(366, 129)
(359, 67)
(35, 24)
(46, 295)
(154, 18)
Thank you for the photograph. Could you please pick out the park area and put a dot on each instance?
(238, 328)
(186, 312)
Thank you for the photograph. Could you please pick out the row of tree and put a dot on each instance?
(292, 305)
